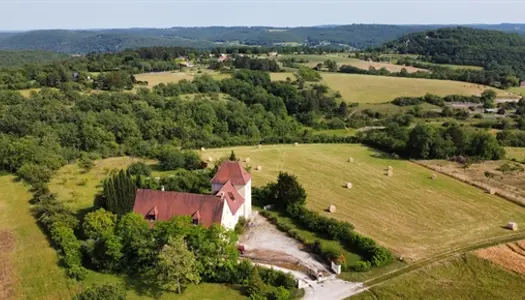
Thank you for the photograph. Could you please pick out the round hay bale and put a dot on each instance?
(296, 144)
(351, 159)
(203, 149)
(210, 159)
(492, 191)
(258, 168)
(390, 173)
(331, 209)
(390, 168)
(434, 176)
(348, 185)
(247, 159)
(259, 146)
(512, 226)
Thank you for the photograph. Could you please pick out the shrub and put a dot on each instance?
(362, 266)
(139, 168)
(103, 292)
(85, 163)
(241, 225)
(34, 174)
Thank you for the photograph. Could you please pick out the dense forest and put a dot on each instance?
(492, 50)
(20, 58)
(111, 40)
(113, 71)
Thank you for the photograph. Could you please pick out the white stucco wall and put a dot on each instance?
(228, 219)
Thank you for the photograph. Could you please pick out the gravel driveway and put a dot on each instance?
(266, 242)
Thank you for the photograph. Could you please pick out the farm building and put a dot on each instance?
(222, 58)
(230, 199)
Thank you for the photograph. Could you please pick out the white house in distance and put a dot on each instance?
(231, 198)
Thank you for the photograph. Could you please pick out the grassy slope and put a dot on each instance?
(466, 277)
(377, 89)
(515, 152)
(409, 213)
(36, 273)
(77, 188)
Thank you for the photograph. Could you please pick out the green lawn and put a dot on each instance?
(410, 213)
(465, 277)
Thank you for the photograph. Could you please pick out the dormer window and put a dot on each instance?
(195, 221)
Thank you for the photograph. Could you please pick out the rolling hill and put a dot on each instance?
(465, 46)
(110, 40)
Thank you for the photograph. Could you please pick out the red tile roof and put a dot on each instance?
(232, 171)
(207, 209)
(235, 200)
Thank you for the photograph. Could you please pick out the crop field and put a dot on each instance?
(510, 256)
(409, 212)
(464, 277)
(167, 77)
(379, 89)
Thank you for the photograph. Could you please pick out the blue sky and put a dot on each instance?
(72, 14)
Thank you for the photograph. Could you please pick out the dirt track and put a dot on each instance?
(7, 244)
(264, 243)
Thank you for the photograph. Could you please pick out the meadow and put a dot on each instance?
(410, 213)
(463, 277)
(518, 90)
(379, 89)
(167, 77)
(343, 59)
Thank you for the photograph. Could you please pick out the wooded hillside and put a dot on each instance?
(465, 46)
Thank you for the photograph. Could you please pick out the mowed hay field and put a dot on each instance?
(464, 277)
(409, 213)
(342, 59)
(379, 89)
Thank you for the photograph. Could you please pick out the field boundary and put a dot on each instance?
(486, 187)
(442, 257)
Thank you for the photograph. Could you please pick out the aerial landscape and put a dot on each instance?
(240, 151)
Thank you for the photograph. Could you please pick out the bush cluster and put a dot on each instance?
(61, 224)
